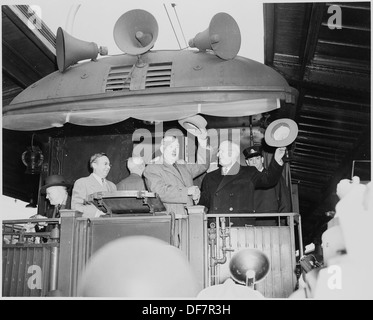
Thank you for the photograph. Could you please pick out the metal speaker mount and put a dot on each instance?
(223, 36)
(135, 32)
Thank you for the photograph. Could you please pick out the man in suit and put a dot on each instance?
(95, 182)
(135, 180)
(56, 191)
(171, 179)
(230, 189)
(267, 200)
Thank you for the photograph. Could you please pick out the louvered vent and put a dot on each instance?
(118, 78)
(159, 75)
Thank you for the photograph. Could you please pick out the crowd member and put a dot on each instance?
(171, 179)
(229, 290)
(138, 267)
(231, 189)
(267, 200)
(346, 273)
(135, 180)
(95, 182)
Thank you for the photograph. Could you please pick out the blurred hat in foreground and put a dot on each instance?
(229, 290)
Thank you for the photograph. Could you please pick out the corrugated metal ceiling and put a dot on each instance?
(330, 67)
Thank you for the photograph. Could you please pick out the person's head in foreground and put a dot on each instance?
(139, 267)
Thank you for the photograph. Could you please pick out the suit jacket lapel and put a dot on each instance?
(174, 171)
(94, 180)
(216, 178)
(107, 185)
(229, 177)
(55, 211)
(182, 173)
(171, 169)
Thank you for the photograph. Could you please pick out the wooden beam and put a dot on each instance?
(17, 68)
(44, 40)
(315, 13)
(269, 33)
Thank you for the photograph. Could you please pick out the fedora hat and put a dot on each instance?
(196, 124)
(281, 133)
(252, 151)
(54, 180)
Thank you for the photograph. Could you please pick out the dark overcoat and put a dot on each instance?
(273, 199)
(234, 193)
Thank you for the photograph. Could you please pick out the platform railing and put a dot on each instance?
(37, 263)
(272, 233)
(30, 252)
(82, 237)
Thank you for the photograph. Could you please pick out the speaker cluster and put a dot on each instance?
(136, 31)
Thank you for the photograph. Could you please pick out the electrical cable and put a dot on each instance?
(172, 26)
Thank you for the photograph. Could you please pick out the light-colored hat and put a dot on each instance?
(281, 133)
(196, 125)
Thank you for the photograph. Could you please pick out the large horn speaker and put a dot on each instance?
(71, 50)
(135, 32)
(223, 36)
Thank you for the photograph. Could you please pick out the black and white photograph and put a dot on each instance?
(184, 155)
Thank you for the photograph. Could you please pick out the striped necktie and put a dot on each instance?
(104, 184)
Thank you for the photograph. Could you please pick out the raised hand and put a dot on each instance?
(279, 153)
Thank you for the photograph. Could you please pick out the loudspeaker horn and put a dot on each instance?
(135, 32)
(249, 266)
(223, 36)
(70, 50)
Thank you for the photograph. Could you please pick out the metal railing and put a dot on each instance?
(30, 254)
(272, 233)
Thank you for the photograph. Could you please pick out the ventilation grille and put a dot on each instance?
(118, 79)
(159, 75)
